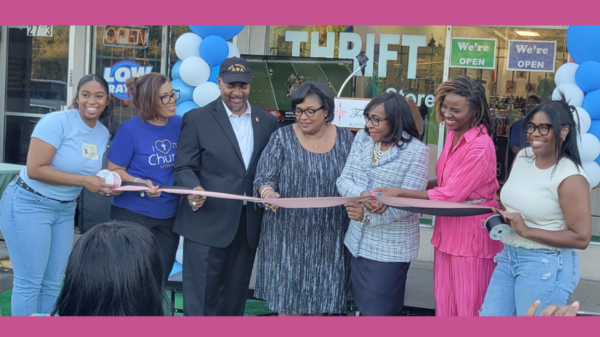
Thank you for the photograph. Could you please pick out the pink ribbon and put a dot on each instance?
(441, 208)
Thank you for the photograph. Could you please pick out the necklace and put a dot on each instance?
(316, 145)
(377, 153)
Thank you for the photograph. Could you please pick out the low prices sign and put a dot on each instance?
(473, 53)
(126, 36)
(349, 112)
(119, 73)
(530, 55)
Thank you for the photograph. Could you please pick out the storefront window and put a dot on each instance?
(140, 44)
(508, 91)
(405, 59)
(175, 33)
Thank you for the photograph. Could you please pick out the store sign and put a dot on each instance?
(119, 73)
(349, 112)
(473, 53)
(126, 36)
(429, 100)
(529, 55)
(350, 46)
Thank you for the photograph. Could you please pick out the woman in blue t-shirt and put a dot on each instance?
(37, 211)
(144, 151)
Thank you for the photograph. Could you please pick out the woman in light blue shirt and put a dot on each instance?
(383, 240)
(37, 210)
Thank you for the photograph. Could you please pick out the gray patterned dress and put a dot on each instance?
(303, 265)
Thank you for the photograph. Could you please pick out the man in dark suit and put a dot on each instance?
(218, 150)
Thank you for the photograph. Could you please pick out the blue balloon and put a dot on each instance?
(591, 104)
(186, 92)
(226, 32)
(214, 73)
(582, 43)
(595, 129)
(587, 76)
(185, 107)
(175, 71)
(214, 50)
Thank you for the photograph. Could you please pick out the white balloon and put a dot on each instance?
(179, 255)
(194, 71)
(592, 171)
(590, 147)
(573, 94)
(206, 93)
(566, 73)
(584, 121)
(233, 50)
(188, 45)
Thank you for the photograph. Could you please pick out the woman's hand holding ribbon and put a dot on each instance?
(515, 220)
(372, 205)
(355, 211)
(98, 185)
(267, 192)
(153, 191)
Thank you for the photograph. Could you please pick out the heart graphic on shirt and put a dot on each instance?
(163, 146)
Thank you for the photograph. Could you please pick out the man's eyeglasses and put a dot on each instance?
(308, 112)
(543, 129)
(168, 98)
(374, 120)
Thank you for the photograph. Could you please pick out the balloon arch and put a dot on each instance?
(579, 82)
(200, 54)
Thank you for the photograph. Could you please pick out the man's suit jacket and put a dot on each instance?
(208, 155)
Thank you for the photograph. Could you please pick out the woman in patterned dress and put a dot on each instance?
(302, 261)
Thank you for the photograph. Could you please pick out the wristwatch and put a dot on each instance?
(136, 180)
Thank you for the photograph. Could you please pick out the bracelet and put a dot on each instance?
(366, 216)
(136, 180)
(262, 195)
(264, 191)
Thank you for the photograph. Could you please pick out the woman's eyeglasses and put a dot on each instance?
(374, 120)
(543, 129)
(168, 98)
(308, 112)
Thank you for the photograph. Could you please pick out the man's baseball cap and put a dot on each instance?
(235, 69)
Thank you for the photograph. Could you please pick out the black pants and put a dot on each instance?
(379, 286)
(216, 280)
(162, 229)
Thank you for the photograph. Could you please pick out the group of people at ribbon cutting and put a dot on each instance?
(309, 261)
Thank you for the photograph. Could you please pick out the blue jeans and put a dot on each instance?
(39, 235)
(524, 276)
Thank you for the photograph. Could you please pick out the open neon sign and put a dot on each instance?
(126, 36)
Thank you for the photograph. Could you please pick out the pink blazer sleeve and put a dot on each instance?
(474, 173)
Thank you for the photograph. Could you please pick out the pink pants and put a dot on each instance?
(460, 283)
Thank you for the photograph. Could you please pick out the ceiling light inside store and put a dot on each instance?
(527, 33)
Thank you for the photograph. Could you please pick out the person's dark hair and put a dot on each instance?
(145, 92)
(114, 270)
(535, 98)
(562, 115)
(474, 92)
(319, 90)
(93, 77)
(399, 116)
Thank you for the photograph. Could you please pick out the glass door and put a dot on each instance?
(36, 82)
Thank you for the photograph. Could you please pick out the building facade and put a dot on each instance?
(41, 65)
